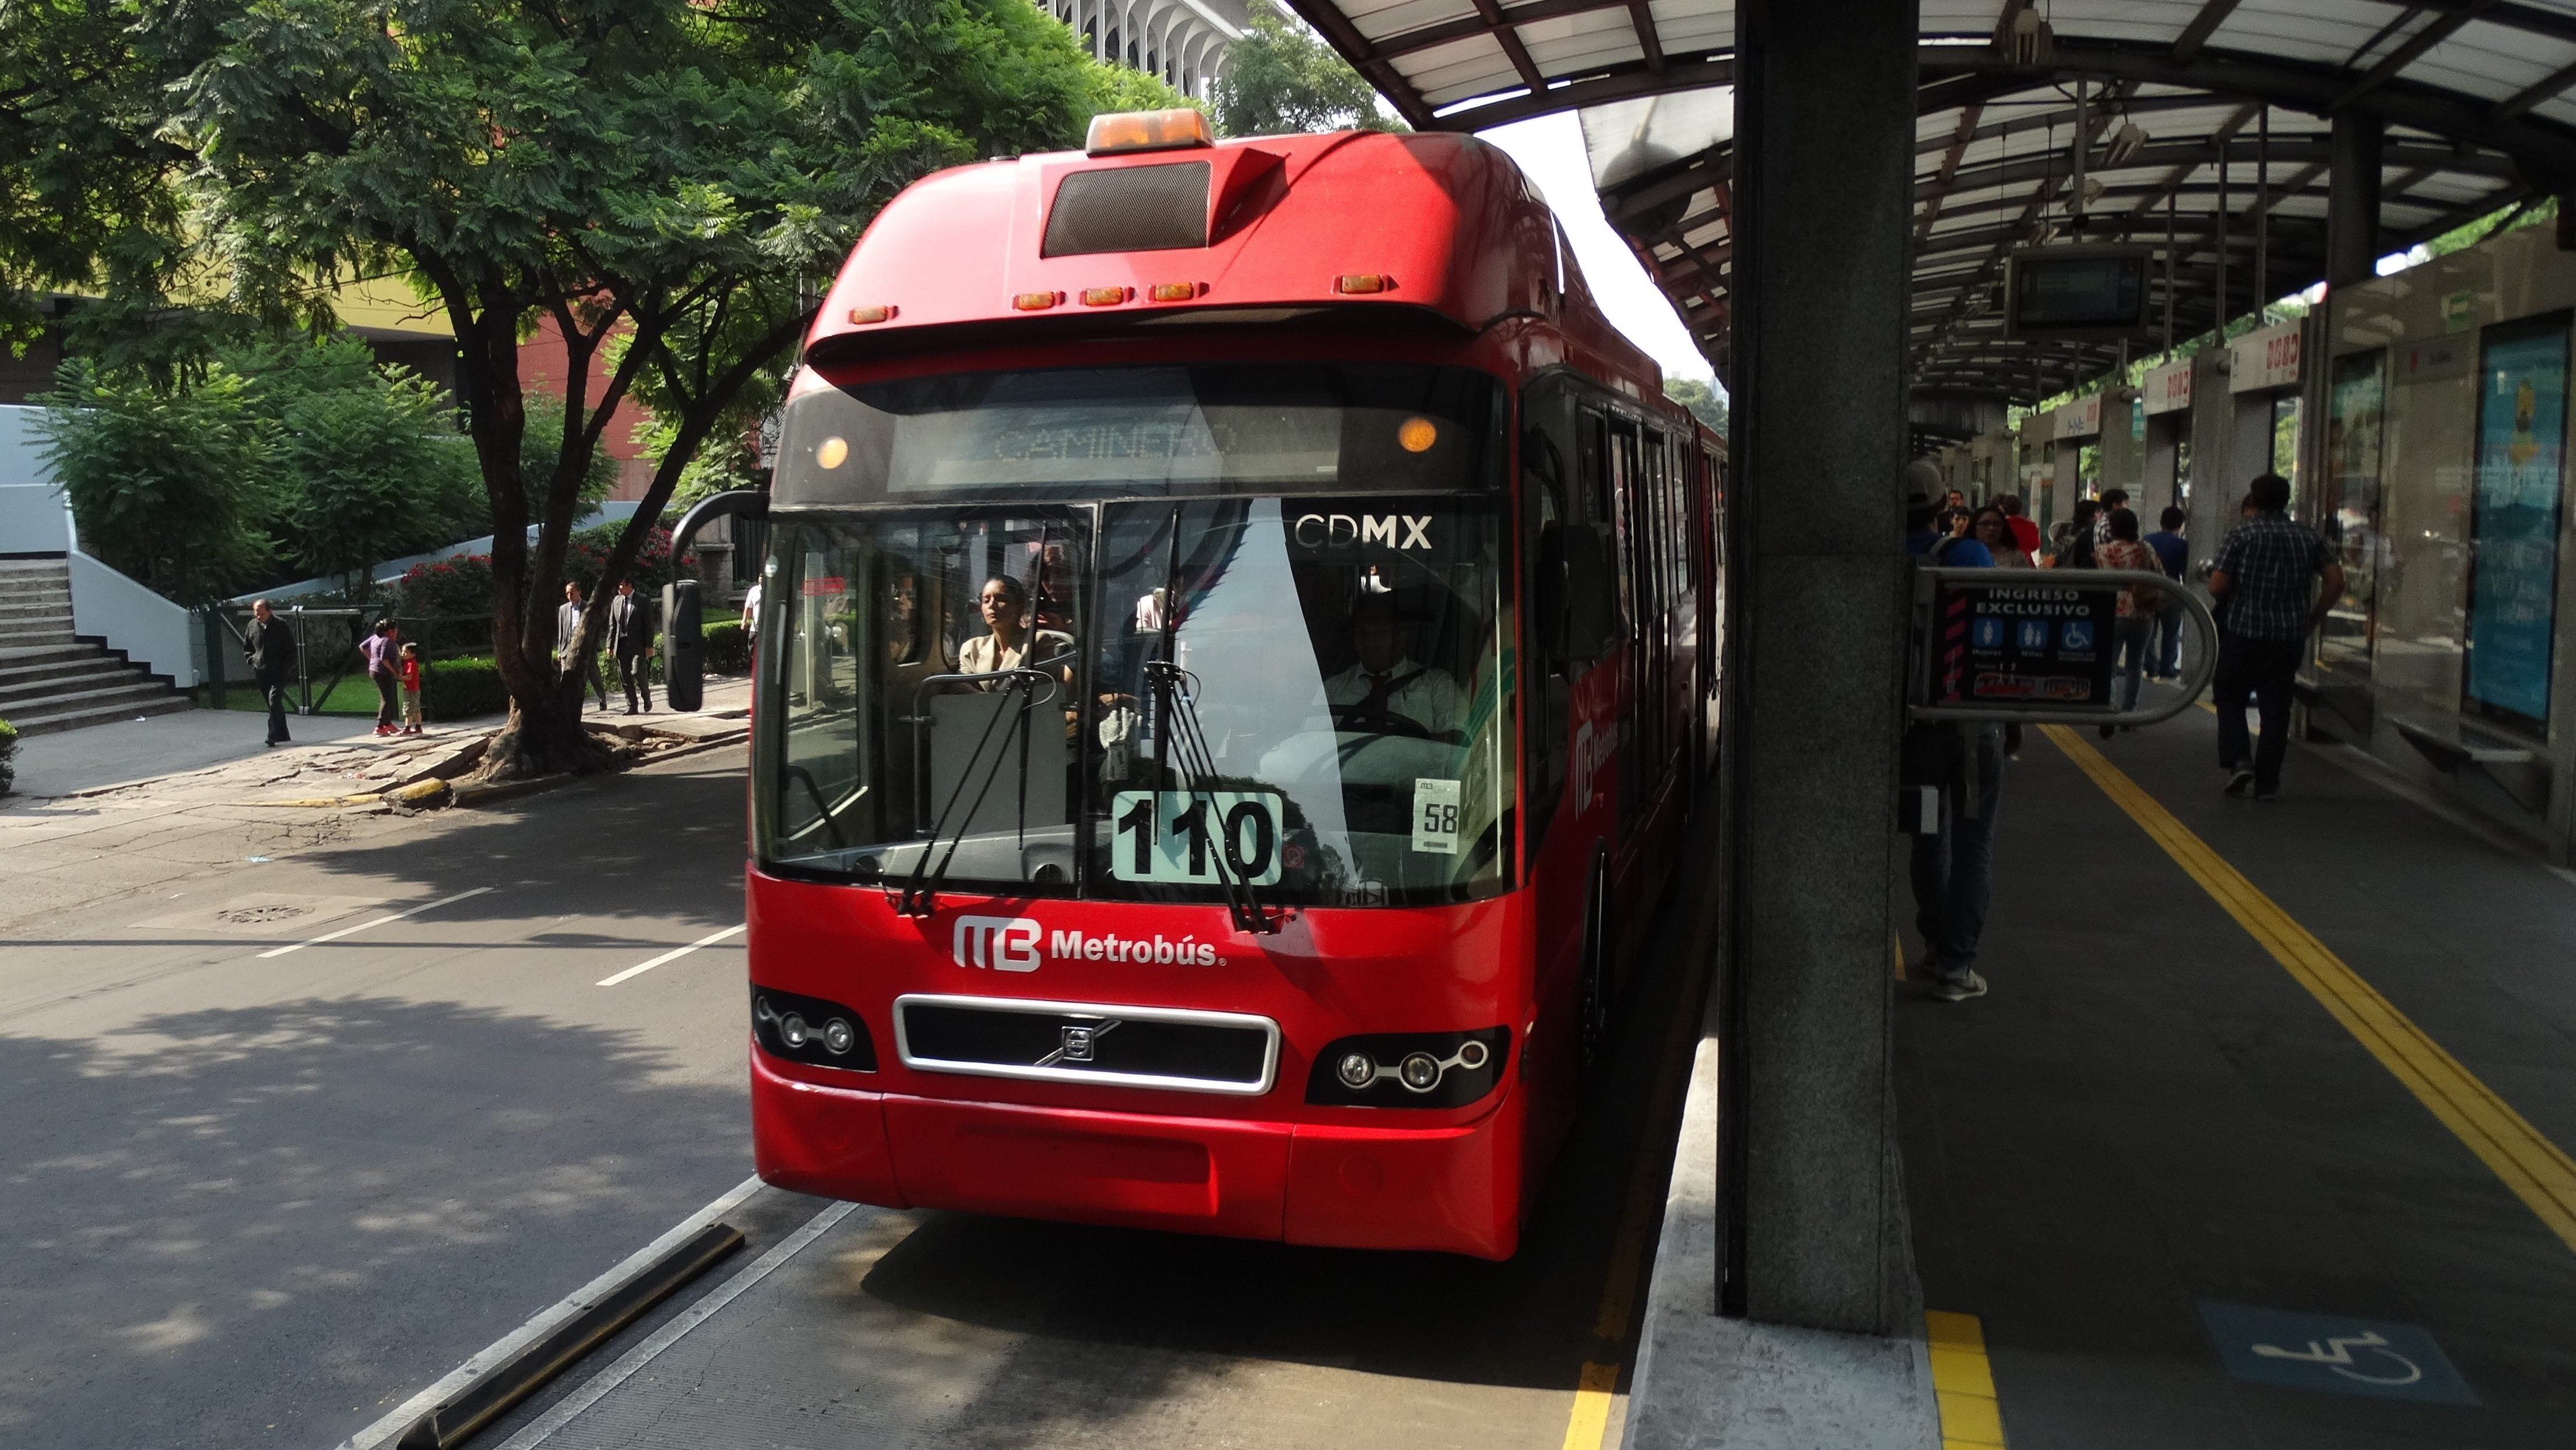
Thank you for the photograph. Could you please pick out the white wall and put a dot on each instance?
(153, 632)
(31, 508)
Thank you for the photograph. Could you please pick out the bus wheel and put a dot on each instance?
(1592, 985)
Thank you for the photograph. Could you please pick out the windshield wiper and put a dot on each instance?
(921, 890)
(1180, 720)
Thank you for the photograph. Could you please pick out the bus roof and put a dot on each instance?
(1236, 231)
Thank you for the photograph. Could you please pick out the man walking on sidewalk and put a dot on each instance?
(568, 644)
(268, 646)
(630, 641)
(2264, 581)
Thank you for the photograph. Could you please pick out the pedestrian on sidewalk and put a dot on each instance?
(411, 689)
(2173, 555)
(379, 648)
(268, 647)
(1953, 868)
(751, 613)
(2265, 579)
(2025, 532)
(630, 640)
(568, 644)
(2130, 629)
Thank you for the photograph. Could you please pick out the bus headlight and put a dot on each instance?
(785, 1026)
(1409, 1069)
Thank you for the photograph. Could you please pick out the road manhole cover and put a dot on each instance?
(255, 915)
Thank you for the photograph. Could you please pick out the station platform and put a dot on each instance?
(2256, 1140)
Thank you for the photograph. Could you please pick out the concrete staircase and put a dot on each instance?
(51, 679)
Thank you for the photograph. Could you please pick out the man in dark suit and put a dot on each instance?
(268, 646)
(630, 638)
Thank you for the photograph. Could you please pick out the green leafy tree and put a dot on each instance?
(1280, 78)
(676, 177)
(164, 483)
(1701, 399)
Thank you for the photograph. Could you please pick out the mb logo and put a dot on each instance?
(1003, 943)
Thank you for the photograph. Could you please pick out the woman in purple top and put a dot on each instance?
(381, 650)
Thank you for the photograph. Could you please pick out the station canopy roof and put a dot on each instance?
(2194, 110)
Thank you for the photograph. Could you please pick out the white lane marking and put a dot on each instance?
(384, 1431)
(673, 955)
(379, 921)
(599, 1385)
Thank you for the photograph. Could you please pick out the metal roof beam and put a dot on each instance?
(2442, 28)
(2202, 26)
(1947, 173)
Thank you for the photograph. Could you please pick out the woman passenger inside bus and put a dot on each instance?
(1009, 645)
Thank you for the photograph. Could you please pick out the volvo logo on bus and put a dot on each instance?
(1003, 943)
(1366, 531)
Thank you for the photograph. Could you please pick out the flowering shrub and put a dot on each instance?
(462, 585)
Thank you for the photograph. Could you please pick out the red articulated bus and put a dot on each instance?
(1237, 642)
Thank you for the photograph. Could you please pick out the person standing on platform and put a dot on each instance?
(2173, 555)
(268, 647)
(568, 642)
(2112, 498)
(2265, 579)
(1994, 530)
(2076, 550)
(1953, 867)
(2130, 630)
(630, 642)
(2024, 531)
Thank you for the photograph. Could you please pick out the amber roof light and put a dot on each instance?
(1124, 131)
(1360, 283)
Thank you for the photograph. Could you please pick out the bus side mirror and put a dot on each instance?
(684, 648)
(1577, 587)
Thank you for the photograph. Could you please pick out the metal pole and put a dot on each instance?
(2169, 265)
(2263, 209)
(2219, 321)
(2083, 143)
(303, 667)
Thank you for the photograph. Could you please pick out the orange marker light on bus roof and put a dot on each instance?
(1106, 296)
(865, 315)
(1036, 301)
(1416, 435)
(1363, 282)
(1176, 291)
(1123, 131)
(835, 451)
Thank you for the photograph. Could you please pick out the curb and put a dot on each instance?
(507, 790)
(490, 1394)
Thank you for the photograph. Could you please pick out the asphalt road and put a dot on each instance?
(263, 1199)
(254, 1199)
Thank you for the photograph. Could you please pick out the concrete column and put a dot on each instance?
(2352, 198)
(1824, 189)
(2156, 484)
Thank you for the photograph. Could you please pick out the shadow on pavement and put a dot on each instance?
(267, 1224)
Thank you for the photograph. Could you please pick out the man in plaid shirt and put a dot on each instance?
(2263, 580)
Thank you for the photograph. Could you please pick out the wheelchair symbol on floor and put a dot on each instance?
(2337, 1355)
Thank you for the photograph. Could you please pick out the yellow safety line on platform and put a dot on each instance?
(2532, 1166)
(1589, 1424)
(1962, 1382)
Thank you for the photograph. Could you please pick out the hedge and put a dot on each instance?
(454, 689)
(728, 648)
(8, 755)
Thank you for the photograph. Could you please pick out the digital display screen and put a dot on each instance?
(2083, 288)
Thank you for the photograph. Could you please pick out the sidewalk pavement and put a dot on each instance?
(123, 808)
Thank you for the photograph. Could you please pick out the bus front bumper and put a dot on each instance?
(1454, 1189)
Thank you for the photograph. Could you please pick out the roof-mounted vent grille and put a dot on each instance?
(1129, 209)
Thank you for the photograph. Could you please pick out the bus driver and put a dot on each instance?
(1387, 682)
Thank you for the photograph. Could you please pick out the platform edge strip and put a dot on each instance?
(2535, 1169)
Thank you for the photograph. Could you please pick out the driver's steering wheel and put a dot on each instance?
(1379, 722)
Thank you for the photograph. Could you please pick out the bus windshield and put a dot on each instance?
(980, 683)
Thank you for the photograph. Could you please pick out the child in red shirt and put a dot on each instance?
(411, 689)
